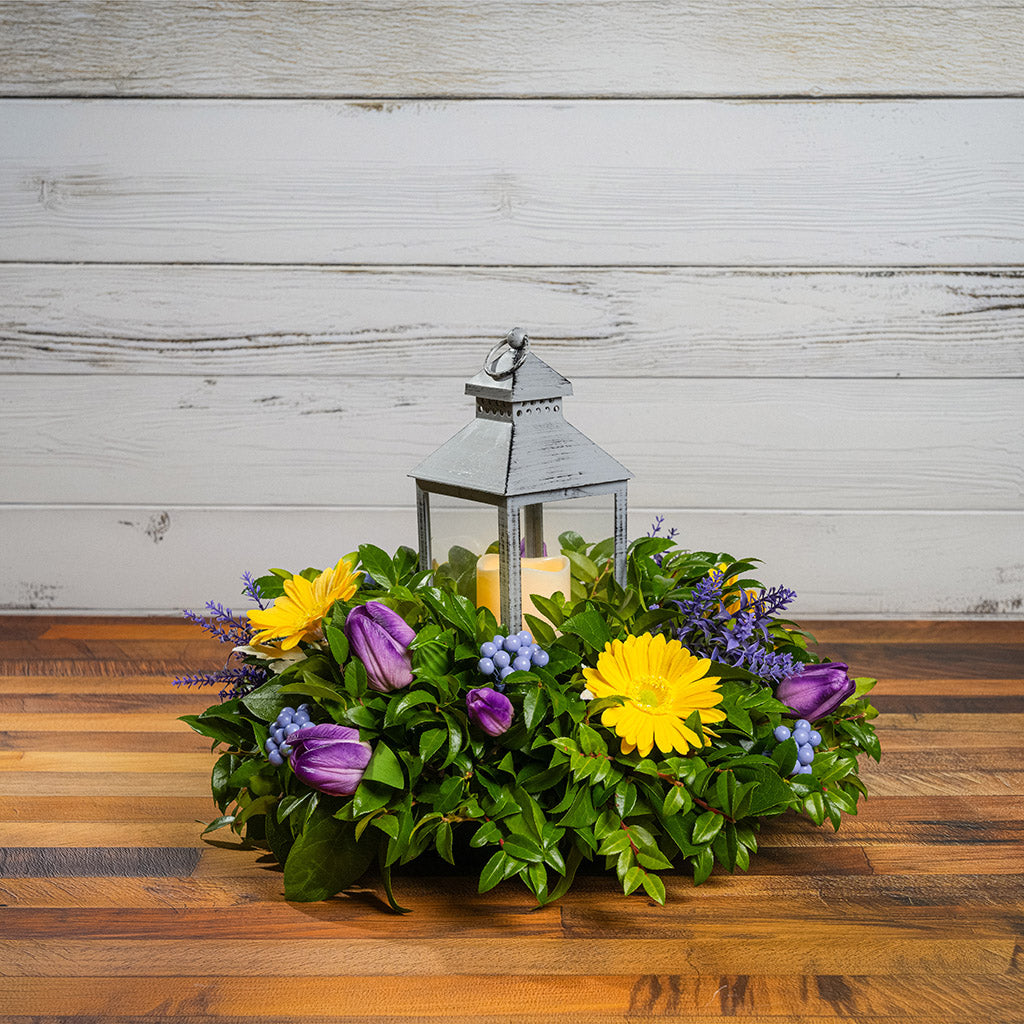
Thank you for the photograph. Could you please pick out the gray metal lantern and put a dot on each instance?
(517, 454)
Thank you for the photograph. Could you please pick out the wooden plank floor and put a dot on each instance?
(113, 909)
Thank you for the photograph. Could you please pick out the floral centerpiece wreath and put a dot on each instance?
(372, 713)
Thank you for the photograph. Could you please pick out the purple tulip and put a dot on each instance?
(816, 691)
(380, 639)
(330, 758)
(491, 710)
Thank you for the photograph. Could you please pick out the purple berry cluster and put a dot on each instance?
(289, 722)
(503, 655)
(806, 740)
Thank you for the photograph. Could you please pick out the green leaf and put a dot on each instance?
(370, 796)
(290, 804)
(541, 630)
(265, 702)
(634, 876)
(740, 717)
(615, 843)
(455, 609)
(384, 768)
(654, 860)
(494, 871)
(784, 755)
(245, 771)
(378, 564)
(771, 792)
(571, 541)
(259, 806)
(359, 717)
(385, 877)
(534, 705)
(864, 685)
(279, 837)
(356, 680)
(842, 800)
(725, 792)
(224, 819)
(312, 686)
(591, 741)
(585, 568)
(220, 778)
(455, 735)
(655, 888)
(706, 827)
(215, 729)
(677, 800)
(486, 835)
(550, 609)
(324, 860)
(590, 627)
(443, 841)
(409, 699)
(581, 812)
(523, 848)
(814, 807)
(536, 878)
(533, 816)
(338, 642)
(625, 798)
(430, 742)
(723, 671)
(573, 862)
(702, 865)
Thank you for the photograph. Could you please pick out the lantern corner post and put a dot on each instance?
(620, 535)
(510, 566)
(423, 527)
(533, 515)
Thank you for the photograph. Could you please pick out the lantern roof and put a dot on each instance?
(519, 443)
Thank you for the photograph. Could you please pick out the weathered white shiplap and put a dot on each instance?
(689, 182)
(166, 558)
(230, 325)
(484, 47)
(713, 443)
(659, 323)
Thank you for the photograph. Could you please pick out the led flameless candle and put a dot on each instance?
(545, 576)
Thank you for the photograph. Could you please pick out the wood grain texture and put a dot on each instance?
(908, 563)
(836, 444)
(556, 48)
(514, 182)
(112, 907)
(656, 322)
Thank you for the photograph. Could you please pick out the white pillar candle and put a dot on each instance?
(544, 576)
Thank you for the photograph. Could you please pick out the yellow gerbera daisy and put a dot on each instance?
(663, 684)
(297, 614)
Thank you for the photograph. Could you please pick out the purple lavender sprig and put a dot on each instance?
(655, 530)
(222, 624)
(251, 589)
(738, 636)
(234, 682)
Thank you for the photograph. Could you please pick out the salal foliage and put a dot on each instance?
(554, 792)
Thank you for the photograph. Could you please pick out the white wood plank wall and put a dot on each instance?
(249, 252)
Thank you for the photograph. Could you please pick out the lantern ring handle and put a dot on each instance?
(515, 342)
